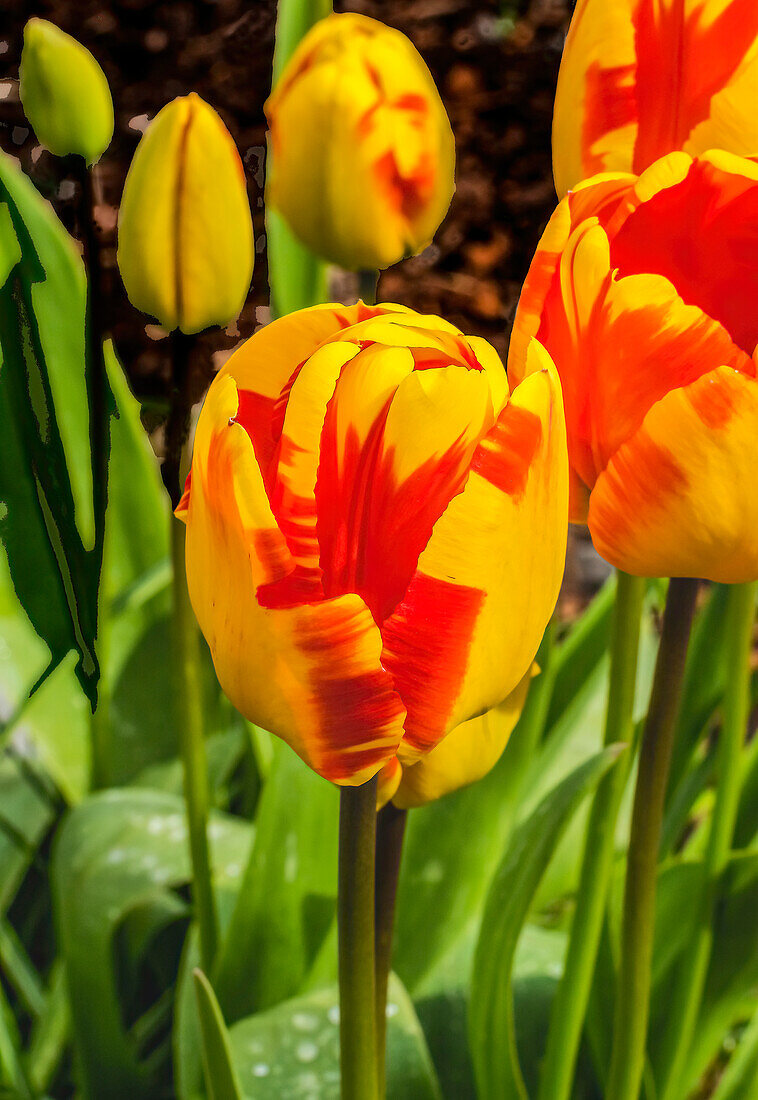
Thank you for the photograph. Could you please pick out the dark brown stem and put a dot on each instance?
(180, 407)
(390, 830)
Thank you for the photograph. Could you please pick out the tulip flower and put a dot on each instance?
(185, 236)
(643, 291)
(643, 78)
(375, 530)
(64, 93)
(363, 153)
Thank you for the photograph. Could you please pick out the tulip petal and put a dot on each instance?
(467, 754)
(624, 59)
(377, 505)
(486, 583)
(679, 499)
(311, 672)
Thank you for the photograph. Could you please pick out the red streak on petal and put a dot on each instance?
(183, 506)
(505, 455)
(713, 402)
(426, 647)
(357, 711)
(609, 103)
(408, 195)
(255, 414)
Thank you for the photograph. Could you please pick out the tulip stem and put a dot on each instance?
(570, 1005)
(190, 710)
(100, 447)
(390, 830)
(633, 991)
(190, 705)
(355, 918)
(367, 284)
(692, 969)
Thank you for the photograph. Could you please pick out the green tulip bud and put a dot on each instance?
(64, 93)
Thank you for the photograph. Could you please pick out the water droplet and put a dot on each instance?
(555, 970)
(333, 1014)
(392, 1010)
(156, 825)
(306, 1052)
(303, 1021)
(116, 855)
(233, 870)
(260, 1069)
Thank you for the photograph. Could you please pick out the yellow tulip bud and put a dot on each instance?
(363, 154)
(185, 237)
(64, 93)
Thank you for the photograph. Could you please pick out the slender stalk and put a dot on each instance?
(633, 992)
(367, 284)
(190, 711)
(189, 698)
(355, 917)
(570, 1005)
(95, 330)
(390, 830)
(693, 967)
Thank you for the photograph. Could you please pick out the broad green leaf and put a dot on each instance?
(46, 487)
(221, 1079)
(293, 1050)
(120, 856)
(286, 901)
(491, 1024)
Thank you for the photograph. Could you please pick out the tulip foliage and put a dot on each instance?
(326, 767)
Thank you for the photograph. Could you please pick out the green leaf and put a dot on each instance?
(492, 1030)
(46, 488)
(293, 1050)
(740, 1078)
(220, 1075)
(286, 902)
(119, 858)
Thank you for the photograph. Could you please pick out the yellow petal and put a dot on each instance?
(467, 754)
(679, 498)
(486, 584)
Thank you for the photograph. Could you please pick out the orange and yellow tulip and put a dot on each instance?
(185, 233)
(376, 530)
(643, 78)
(363, 153)
(643, 291)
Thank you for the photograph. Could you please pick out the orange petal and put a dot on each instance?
(679, 498)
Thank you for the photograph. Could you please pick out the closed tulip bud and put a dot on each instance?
(643, 290)
(64, 93)
(363, 153)
(376, 531)
(185, 234)
(640, 79)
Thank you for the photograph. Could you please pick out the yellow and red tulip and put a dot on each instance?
(643, 290)
(375, 530)
(64, 93)
(643, 78)
(185, 234)
(363, 153)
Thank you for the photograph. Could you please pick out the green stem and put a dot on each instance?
(355, 917)
(570, 1005)
(693, 967)
(190, 711)
(367, 284)
(390, 830)
(633, 992)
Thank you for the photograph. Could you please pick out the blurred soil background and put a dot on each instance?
(496, 66)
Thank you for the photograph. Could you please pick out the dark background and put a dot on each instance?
(495, 66)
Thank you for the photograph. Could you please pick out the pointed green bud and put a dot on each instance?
(64, 93)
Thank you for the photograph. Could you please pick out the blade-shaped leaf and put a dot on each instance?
(49, 520)
(221, 1078)
(492, 1028)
